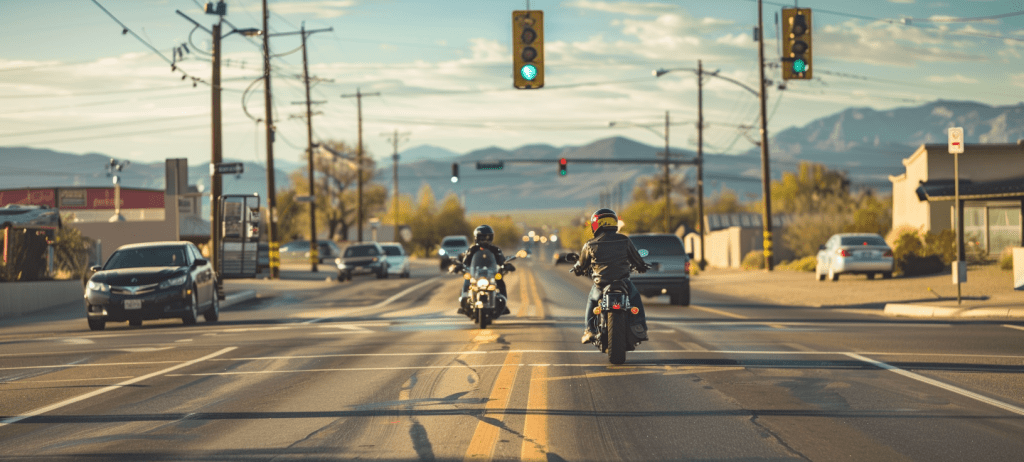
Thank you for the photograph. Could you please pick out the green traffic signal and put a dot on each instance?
(799, 66)
(529, 72)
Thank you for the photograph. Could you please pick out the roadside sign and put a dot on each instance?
(304, 198)
(227, 168)
(956, 140)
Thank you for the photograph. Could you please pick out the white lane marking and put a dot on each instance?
(76, 341)
(385, 302)
(103, 390)
(942, 385)
(184, 340)
(140, 363)
(1013, 327)
(95, 379)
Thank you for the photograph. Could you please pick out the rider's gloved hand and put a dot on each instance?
(643, 269)
(576, 269)
(509, 267)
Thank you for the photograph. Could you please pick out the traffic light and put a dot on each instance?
(796, 43)
(528, 48)
(562, 164)
(455, 173)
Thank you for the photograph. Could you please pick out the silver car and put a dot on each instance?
(29, 216)
(854, 253)
(398, 260)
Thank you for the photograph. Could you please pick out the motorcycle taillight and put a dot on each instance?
(616, 306)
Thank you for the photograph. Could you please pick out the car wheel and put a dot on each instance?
(832, 274)
(341, 276)
(348, 276)
(818, 274)
(135, 322)
(871, 276)
(97, 324)
(405, 275)
(681, 298)
(887, 275)
(213, 313)
(191, 315)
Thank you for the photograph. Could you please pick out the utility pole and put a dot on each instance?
(700, 154)
(216, 157)
(765, 167)
(272, 243)
(359, 160)
(668, 182)
(395, 139)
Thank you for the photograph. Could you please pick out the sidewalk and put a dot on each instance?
(988, 292)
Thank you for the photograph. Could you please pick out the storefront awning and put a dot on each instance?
(943, 190)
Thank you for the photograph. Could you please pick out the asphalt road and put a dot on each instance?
(386, 370)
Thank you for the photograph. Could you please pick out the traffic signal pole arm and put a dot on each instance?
(600, 161)
(661, 72)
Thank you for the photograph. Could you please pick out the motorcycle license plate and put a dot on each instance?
(132, 304)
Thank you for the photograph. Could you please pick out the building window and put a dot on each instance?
(1003, 228)
(974, 228)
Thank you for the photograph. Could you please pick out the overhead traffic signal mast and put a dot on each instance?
(528, 49)
(796, 43)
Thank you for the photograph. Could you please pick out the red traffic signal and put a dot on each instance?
(562, 164)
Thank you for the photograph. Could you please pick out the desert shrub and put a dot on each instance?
(942, 244)
(71, 252)
(907, 244)
(803, 264)
(914, 265)
(809, 231)
(753, 260)
(1006, 259)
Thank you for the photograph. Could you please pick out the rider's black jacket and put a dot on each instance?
(467, 256)
(608, 257)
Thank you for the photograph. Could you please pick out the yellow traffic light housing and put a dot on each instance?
(528, 49)
(796, 44)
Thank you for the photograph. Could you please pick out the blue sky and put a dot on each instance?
(71, 81)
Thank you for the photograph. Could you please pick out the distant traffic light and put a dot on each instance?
(455, 173)
(562, 165)
(528, 48)
(796, 43)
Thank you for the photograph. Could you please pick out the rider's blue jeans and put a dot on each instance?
(634, 300)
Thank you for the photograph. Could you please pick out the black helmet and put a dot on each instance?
(604, 218)
(483, 234)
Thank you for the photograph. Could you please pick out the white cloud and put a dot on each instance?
(955, 78)
(901, 1)
(630, 8)
(888, 44)
(1017, 79)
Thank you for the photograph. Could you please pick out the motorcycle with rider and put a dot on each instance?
(483, 266)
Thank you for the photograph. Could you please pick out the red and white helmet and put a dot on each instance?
(604, 218)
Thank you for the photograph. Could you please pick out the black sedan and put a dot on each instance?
(154, 280)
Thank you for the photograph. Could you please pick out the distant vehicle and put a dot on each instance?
(854, 253)
(362, 258)
(670, 267)
(153, 280)
(299, 250)
(262, 256)
(29, 216)
(398, 261)
(559, 256)
(451, 247)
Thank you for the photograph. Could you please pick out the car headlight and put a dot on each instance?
(98, 286)
(337, 261)
(180, 280)
(440, 252)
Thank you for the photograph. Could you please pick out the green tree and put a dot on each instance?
(813, 188)
(451, 219)
(424, 234)
(507, 233)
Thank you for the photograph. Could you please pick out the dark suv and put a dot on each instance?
(362, 258)
(670, 267)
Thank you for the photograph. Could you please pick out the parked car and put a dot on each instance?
(854, 253)
(362, 258)
(299, 250)
(29, 216)
(558, 257)
(398, 260)
(670, 267)
(152, 280)
(451, 247)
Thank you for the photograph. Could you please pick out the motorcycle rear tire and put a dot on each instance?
(617, 337)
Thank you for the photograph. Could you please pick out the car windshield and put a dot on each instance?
(296, 245)
(148, 256)
(361, 251)
(454, 242)
(393, 250)
(862, 240)
(659, 245)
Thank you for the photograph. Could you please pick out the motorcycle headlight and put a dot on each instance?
(98, 286)
(173, 282)
(492, 287)
(481, 283)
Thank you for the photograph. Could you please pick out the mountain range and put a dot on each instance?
(866, 143)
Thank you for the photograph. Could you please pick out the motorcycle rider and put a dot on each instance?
(608, 257)
(483, 237)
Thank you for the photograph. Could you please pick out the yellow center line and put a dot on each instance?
(535, 429)
(523, 296)
(481, 447)
(536, 296)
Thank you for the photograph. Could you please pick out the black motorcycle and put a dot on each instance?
(483, 302)
(612, 319)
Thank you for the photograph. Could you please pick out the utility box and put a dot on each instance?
(1018, 268)
(959, 272)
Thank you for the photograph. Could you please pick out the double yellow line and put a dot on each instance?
(529, 296)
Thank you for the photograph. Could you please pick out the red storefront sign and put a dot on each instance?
(84, 198)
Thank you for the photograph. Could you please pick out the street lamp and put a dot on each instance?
(700, 147)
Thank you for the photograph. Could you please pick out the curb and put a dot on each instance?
(238, 297)
(925, 311)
